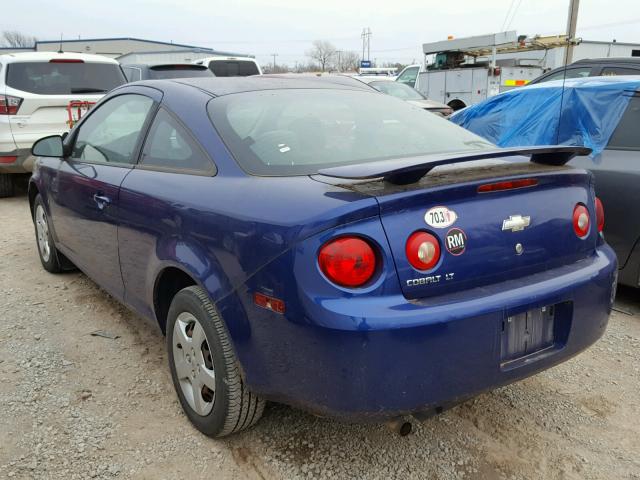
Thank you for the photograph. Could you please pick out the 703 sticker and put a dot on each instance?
(440, 217)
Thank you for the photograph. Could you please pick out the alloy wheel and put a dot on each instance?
(193, 363)
(42, 232)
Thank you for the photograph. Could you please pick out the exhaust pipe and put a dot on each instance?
(400, 426)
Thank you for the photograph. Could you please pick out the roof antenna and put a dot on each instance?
(60, 49)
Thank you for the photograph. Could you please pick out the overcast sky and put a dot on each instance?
(288, 27)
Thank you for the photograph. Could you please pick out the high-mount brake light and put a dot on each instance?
(599, 214)
(66, 60)
(423, 250)
(9, 105)
(348, 261)
(507, 185)
(581, 220)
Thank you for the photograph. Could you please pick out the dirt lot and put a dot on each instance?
(77, 406)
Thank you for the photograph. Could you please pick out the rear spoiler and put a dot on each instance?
(409, 170)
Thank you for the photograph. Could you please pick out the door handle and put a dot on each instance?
(101, 200)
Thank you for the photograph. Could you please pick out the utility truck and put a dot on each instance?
(465, 71)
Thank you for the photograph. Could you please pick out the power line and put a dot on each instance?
(504, 22)
(513, 15)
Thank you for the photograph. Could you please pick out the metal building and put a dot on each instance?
(129, 49)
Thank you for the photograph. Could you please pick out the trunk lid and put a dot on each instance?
(43, 115)
(485, 237)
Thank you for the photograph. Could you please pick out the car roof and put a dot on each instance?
(219, 86)
(46, 56)
(629, 60)
(159, 65)
(221, 57)
(598, 82)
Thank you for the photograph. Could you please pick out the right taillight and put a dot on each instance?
(423, 250)
(599, 214)
(348, 261)
(9, 104)
(581, 220)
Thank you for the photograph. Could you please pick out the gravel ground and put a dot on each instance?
(75, 406)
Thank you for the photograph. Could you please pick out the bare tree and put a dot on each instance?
(349, 61)
(14, 39)
(322, 52)
(269, 68)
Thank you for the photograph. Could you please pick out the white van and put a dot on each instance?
(231, 66)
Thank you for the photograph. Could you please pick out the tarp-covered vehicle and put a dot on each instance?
(600, 113)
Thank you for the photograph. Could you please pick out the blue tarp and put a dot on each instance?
(525, 116)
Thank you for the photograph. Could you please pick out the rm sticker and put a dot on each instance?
(455, 241)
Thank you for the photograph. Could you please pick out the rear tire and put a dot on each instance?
(204, 367)
(7, 188)
(49, 256)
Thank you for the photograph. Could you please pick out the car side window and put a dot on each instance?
(626, 136)
(110, 134)
(409, 76)
(133, 74)
(571, 73)
(170, 146)
(613, 71)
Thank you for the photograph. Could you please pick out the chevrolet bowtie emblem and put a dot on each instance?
(516, 223)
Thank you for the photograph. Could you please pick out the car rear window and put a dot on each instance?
(179, 71)
(233, 68)
(298, 132)
(52, 78)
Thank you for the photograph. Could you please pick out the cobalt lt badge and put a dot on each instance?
(455, 241)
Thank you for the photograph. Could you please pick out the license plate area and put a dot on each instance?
(529, 335)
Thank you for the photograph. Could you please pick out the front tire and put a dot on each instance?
(7, 188)
(49, 256)
(204, 367)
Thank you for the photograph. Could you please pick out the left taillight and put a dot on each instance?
(9, 104)
(599, 214)
(348, 261)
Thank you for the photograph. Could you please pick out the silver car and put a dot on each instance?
(411, 95)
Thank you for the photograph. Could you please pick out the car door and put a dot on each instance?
(84, 204)
(155, 198)
(617, 176)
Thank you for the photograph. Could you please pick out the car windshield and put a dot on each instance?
(64, 78)
(398, 90)
(233, 68)
(179, 71)
(298, 132)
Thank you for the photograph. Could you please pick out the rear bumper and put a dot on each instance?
(386, 356)
(22, 164)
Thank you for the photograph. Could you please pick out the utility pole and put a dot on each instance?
(274, 55)
(366, 42)
(572, 22)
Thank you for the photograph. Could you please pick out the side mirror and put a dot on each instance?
(48, 147)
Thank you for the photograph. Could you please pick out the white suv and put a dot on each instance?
(231, 66)
(35, 90)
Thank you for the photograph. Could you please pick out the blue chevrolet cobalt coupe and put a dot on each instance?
(312, 242)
